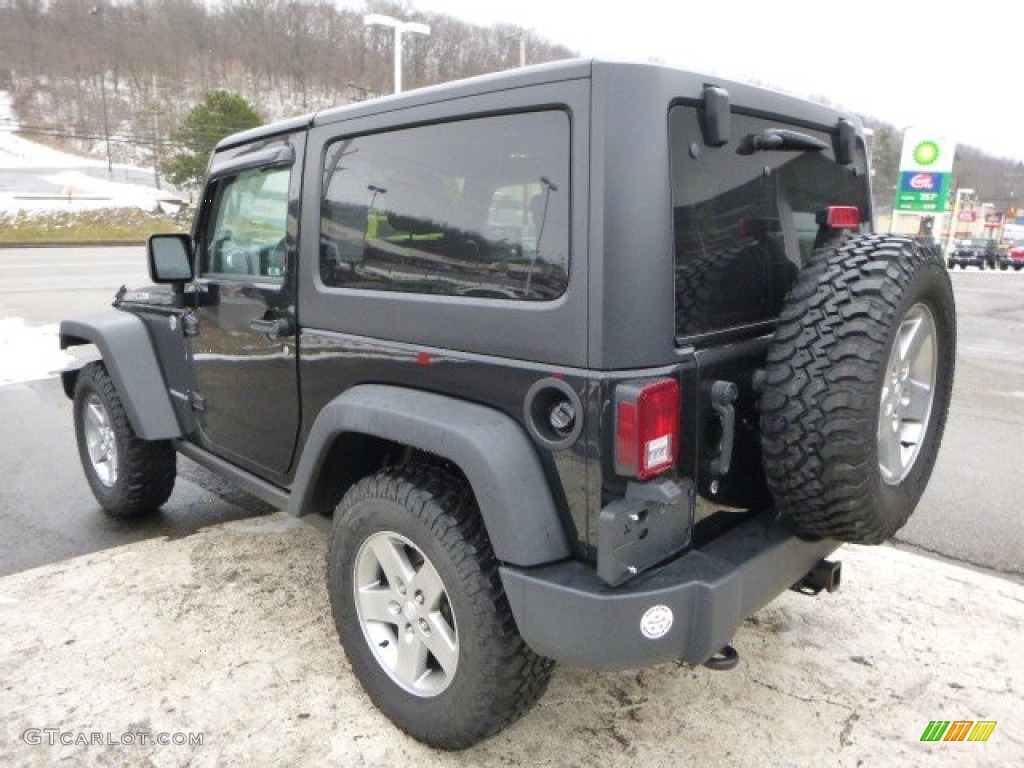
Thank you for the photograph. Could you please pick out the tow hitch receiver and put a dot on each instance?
(826, 575)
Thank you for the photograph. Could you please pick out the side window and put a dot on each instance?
(474, 208)
(246, 232)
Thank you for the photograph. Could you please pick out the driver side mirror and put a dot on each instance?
(170, 258)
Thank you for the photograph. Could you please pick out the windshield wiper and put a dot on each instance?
(779, 140)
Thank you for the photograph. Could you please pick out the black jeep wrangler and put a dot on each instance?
(980, 252)
(591, 361)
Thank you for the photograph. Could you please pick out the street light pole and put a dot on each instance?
(380, 20)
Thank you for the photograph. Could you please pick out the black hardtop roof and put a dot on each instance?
(689, 83)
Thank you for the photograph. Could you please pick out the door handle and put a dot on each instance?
(274, 328)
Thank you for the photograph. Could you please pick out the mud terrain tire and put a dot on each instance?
(129, 476)
(411, 572)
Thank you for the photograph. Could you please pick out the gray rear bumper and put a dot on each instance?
(564, 611)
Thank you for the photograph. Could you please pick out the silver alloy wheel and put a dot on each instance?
(100, 440)
(405, 614)
(908, 391)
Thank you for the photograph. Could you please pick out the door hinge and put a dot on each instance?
(197, 401)
(190, 324)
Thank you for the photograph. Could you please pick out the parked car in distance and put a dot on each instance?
(1013, 256)
(981, 252)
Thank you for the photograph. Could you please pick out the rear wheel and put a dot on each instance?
(128, 475)
(421, 611)
(857, 386)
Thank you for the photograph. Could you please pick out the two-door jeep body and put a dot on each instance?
(590, 360)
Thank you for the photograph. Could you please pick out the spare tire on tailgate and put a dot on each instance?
(857, 385)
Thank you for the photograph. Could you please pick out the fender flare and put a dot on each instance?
(519, 513)
(127, 352)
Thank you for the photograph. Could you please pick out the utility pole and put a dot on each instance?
(97, 11)
(156, 153)
(106, 122)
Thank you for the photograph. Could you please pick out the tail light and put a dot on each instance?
(646, 427)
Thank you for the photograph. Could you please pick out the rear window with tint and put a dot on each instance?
(745, 224)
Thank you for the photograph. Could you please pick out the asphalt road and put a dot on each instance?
(971, 511)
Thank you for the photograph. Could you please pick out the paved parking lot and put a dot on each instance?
(972, 510)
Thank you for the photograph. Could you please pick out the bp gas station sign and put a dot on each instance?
(926, 172)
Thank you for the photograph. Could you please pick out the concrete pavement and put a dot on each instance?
(228, 633)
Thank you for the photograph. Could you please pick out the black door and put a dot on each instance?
(244, 355)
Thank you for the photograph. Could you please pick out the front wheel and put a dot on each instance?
(421, 611)
(128, 475)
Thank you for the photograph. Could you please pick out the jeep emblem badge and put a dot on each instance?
(656, 622)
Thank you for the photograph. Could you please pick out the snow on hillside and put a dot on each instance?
(17, 152)
(34, 177)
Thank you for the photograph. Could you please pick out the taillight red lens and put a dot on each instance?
(625, 437)
(843, 217)
(646, 427)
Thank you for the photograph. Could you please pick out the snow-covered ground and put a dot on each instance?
(74, 190)
(36, 178)
(29, 353)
